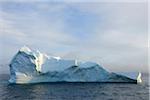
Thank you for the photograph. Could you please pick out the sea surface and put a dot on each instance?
(74, 91)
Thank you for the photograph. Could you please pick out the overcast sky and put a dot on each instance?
(113, 34)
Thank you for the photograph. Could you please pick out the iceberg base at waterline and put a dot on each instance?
(29, 66)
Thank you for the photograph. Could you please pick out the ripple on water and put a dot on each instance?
(73, 91)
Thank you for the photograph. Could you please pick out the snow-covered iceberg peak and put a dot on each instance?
(25, 49)
(29, 66)
(38, 57)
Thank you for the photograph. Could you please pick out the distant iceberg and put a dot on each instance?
(29, 66)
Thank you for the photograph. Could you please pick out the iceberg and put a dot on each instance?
(29, 66)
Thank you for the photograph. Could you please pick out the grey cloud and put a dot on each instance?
(119, 41)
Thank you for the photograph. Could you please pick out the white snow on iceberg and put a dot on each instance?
(29, 66)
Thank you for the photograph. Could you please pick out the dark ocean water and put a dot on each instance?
(74, 91)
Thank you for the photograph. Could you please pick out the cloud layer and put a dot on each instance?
(112, 34)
